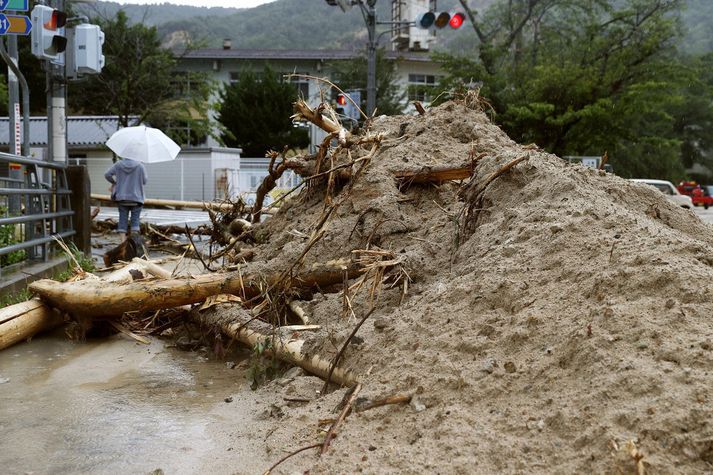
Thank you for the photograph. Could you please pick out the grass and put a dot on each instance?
(85, 263)
(12, 299)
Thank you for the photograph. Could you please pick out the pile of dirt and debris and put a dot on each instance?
(537, 316)
(562, 325)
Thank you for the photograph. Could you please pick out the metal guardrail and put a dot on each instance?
(35, 206)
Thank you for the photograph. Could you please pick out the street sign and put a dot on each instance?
(15, 5)
(15, 25)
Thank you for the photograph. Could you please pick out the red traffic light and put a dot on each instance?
(57, 20)
(341, 100)
(457, 20)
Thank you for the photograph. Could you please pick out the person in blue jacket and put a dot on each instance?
(127, 178)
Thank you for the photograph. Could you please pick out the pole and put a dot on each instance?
(56, 110)
(13, 110)
(371, 59)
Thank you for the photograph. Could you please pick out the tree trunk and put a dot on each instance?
(175, 203)
(237, 323)
(91, 298)
(23, 320)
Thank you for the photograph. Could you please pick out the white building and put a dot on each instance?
(197, 174)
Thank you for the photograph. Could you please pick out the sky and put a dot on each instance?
(201, 3)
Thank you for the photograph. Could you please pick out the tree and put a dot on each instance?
(580, 77)
(352, 75)
(255, 112)
(138, 83)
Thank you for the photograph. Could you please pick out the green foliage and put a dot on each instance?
(85, 263)
(585, 77)
(139, 80)
(255, 112)
(262, 368)
(11, 299)
(352, 75)
(8, 238)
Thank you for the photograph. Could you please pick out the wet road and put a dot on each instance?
(115, 406)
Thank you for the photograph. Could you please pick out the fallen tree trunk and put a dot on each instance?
(237, 323)
(91, 298)
(174, 203)
(24, 320)
(434, 175)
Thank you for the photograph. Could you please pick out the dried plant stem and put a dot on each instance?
(269, 470)
(342, 415)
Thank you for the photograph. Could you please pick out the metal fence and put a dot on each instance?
(34, 207)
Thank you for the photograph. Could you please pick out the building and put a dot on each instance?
(416, 72)
(198, 174)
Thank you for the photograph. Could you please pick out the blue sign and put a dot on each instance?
(16, 5)
(15, 25)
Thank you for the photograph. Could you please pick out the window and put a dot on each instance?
(301, 84)
(420, 87)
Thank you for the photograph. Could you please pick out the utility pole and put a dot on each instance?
(370, 19)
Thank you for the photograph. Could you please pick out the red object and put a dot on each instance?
(341, 100)
(699, 195)
(457, 20)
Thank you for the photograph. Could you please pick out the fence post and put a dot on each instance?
(79, 184)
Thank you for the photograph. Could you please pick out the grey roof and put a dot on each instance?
(291, 54)
(81, 130)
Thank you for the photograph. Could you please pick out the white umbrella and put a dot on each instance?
(143, 144)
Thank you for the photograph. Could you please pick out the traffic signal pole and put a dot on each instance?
(56, 105)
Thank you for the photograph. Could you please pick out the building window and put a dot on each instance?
(301, 84)
(234, 77)
(421, 86)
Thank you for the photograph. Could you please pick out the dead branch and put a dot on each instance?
(344, 347)
(342, 415)
(436, 175)
(397, 399)
(269, 470)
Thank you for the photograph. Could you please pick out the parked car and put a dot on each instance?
(667, 188)
(699, 195)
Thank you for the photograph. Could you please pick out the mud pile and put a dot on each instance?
(567, 321)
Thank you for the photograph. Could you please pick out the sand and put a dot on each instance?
(566, 316)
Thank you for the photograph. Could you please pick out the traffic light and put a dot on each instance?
(48, 39)
(429, 20)
(341, 103)
(84, 54)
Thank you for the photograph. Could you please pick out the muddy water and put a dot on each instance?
(116, 406)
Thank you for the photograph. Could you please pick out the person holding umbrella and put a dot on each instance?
(127, 178)
(136, 146)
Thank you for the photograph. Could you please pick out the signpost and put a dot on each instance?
(16, 5)
(14, 24)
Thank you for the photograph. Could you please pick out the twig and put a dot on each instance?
(330, 83)
(313, 446)
(195, 249)
(344, 346)
(398, 399)
(342, 415)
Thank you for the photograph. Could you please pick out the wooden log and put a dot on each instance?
(434, 175)
(24, 320)
(174, 203)
(237, 323)
(94, 298)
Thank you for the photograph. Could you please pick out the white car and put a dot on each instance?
(667, 188)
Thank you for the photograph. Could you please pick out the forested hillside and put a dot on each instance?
(312, 24)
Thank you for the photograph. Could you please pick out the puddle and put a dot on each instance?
(115, 406)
